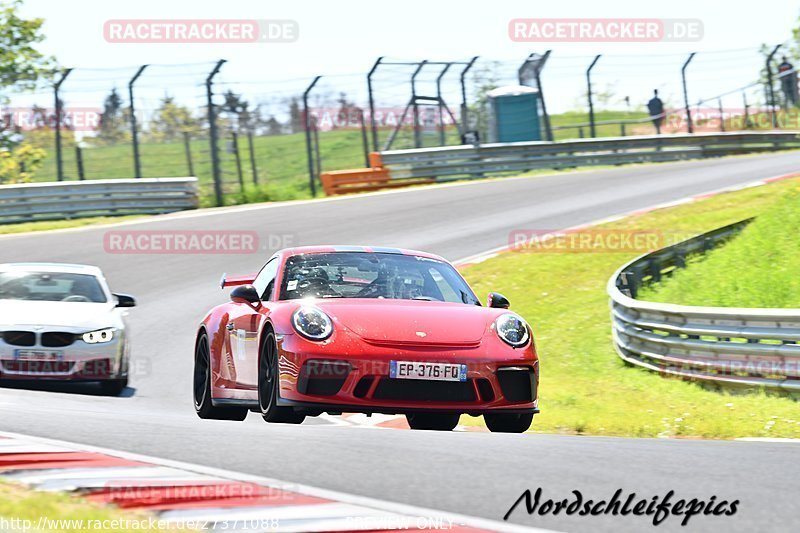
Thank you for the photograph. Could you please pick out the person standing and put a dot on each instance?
(788, 77)
(656, 108)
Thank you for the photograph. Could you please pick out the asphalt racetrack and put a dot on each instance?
(478, 474)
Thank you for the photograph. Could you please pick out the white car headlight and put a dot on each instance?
(512, 330)
(312, 323)
(101, 335)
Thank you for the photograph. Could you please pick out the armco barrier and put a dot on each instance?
(30, 202)
(398, 168)
(728, 346)
(464, 161)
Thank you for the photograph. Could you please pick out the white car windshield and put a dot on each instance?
(373, 275)
(50, 287)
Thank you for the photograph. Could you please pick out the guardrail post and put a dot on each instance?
(58, 111)
(372, 125)
(689, 127)
(212, 129)
(137, 167)
(252, 157)
(307, 124)
(589, 95)
(770, 88)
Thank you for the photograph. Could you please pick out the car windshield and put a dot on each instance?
(50, 287)
(373, 275)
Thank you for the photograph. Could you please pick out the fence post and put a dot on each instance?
(545, 115)
(770, 88)
(721, 116)
(464, 107)
(592, 131)
(439, 106)
(79, 161)
(137, 167)
(689, 127)
(622, 128)
(212, 131)
(372, 125)
(364, 140)
(252, 157)
(188, 150)
(59, 160)
(307, 124)
(317, 157)
(415, 105)
(747, 124)
(238, 157)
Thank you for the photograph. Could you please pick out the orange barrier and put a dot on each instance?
(364, 179)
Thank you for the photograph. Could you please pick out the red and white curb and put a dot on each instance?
(212, 499)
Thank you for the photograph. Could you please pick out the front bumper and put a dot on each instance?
(77, 362)
(316, 379)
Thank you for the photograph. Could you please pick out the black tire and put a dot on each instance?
(508, 423)
(433, 421)
(202, 388)
(268, 386)
(114, 387)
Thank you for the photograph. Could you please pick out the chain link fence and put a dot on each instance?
(251, 140)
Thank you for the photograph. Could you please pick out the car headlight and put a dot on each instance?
(312, 323)
(100, 335)
(512, 330)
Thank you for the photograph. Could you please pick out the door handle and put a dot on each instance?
(230, 326)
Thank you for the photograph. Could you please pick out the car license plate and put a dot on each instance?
(38, 355)
(429, 371)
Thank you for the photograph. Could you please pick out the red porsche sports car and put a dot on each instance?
(372, 330)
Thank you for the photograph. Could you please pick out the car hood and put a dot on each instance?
(410, 321)
(62, 314)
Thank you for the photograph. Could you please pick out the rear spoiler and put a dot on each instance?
(230, 281)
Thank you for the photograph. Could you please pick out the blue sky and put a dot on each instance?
(344, 37)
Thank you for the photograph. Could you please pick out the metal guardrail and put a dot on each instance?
(452, 162)
(728, 346)
(32, 202)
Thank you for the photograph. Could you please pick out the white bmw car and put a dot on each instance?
(61, 322)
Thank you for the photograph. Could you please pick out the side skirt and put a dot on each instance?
(233, 402)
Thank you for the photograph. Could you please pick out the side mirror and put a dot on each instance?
(498, 301)
(125, 300)
(248, 293)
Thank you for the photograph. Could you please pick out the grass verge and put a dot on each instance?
(27, 510)
(585, 388)
(758, 268)
(46, 225)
